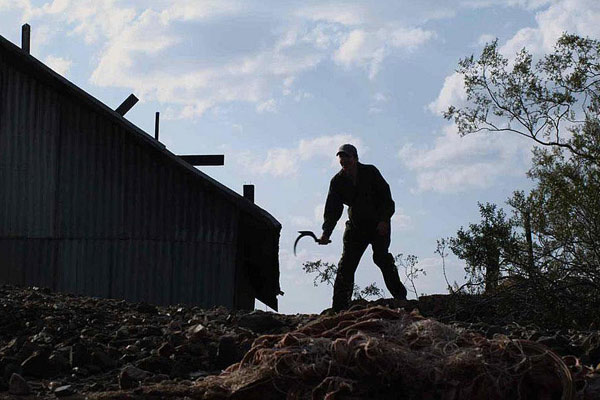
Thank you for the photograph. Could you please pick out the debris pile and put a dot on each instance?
(62, 344)
(59, 345)
(379, 353)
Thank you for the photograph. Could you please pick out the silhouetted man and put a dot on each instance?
(370, 208)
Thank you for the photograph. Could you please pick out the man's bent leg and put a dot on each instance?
(385, 261)
(343, 287)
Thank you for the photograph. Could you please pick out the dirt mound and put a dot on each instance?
(60, 345)
(380, 353)
(55, 340)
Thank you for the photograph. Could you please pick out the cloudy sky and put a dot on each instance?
(277, 86)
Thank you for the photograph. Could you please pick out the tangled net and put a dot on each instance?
(380, 353)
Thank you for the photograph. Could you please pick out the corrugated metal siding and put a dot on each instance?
(85, 207)
(28, 126)
(24, 261)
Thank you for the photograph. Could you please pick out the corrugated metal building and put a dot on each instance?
(91, 204)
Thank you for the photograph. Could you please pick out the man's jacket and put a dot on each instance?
(369, 201)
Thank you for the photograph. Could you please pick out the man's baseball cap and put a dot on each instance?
(347, 149)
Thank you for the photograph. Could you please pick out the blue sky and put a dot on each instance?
(277, 86)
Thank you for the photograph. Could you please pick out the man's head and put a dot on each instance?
(348, 156)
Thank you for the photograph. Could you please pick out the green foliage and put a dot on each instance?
(411, 270)
(325, 273)
(369, 291)
(565, 212)
(441, 249)
(487, 247)
(549, 246)
(541, 101)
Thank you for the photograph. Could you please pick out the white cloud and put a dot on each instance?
(188, 10)
(323, 36)
(133, 40)
(452, 93)
(132, 58)
(301, 221)
(354, 49)
(97, 19)
(41, 37)
(267, 106)
(58, 64)
(380, 97)
(143, 47)
(326, 146)
(302, 95)
(197, 87)
(367, 49)
(24, 5)
(453, 179)
(530, 38)
(297, 94)
(410, 38)
(572, 16)
(285, 162)
(401, 221)
(57, 6)
(288, 82)
(527, 4)
(319, 211)
(341, 13)
(485, 38)
(456, 164)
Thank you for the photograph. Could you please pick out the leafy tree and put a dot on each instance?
(487, 247)
(544, 101)
(565, 213)
(551, 240)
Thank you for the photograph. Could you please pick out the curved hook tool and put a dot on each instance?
(305, 233)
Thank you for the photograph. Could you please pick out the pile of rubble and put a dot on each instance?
(59, 345)
(383, 353)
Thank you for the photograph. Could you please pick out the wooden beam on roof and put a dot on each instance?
(127, 105)
(156, 125)
(26, 38)
(212, 159)
(249, 192)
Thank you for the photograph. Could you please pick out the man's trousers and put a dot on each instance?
(356, 241)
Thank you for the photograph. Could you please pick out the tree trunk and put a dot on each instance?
(528, 236)
(492, 270)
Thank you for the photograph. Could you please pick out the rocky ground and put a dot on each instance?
(60, 345)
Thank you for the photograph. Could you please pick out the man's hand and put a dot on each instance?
(323, 240)
(383, 228)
